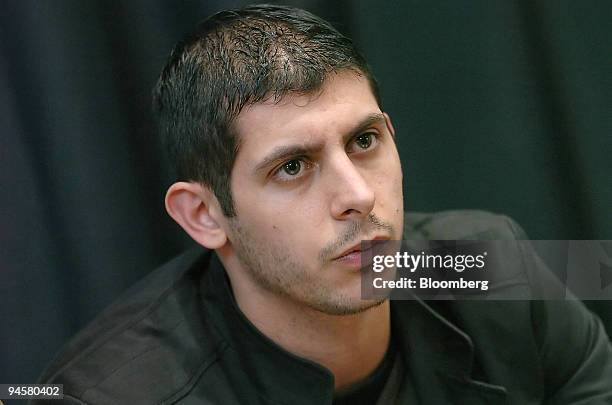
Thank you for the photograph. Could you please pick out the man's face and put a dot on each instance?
(315, 175)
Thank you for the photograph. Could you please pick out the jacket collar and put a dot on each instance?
(283, 377)
(439, 356)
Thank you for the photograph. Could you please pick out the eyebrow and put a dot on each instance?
(287, 151)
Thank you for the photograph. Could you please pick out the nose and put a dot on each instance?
(352, 197)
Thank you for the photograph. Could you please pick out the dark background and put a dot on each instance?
(499, 105)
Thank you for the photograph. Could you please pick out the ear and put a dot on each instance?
(196, 209)
(389, 124)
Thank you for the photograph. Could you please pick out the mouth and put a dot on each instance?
(352, 256)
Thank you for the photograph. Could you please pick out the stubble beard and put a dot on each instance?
(275, 270)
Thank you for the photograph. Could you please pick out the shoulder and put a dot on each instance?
(527, 338)
(461, 224)
(141, 339)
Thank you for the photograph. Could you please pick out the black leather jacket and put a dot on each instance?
(178, 337)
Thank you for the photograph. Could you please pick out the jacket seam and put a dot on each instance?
(128, 324)
(126, 362)
(195, 377)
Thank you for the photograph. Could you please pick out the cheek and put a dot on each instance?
(298, 233)
(281, 220)
(280, 228)
(389, 192)
(389, 176)
(313, 212)
(397, 174)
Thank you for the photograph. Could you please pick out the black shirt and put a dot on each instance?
(367, 391)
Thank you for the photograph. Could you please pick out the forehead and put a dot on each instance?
(344, 99)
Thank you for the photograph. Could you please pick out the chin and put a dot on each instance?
(346, 306)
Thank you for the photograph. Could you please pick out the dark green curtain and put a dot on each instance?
(503, 106)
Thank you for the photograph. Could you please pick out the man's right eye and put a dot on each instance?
(292, 167)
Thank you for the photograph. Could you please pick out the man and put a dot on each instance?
(286, 162)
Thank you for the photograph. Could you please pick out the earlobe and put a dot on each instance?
(389, 124)
(195, 208)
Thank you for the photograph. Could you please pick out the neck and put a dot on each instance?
(350, 346)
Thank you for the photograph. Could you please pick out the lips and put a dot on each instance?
(356, 249)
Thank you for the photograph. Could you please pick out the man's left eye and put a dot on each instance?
(365, 141)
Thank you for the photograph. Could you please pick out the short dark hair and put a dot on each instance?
(232, 59)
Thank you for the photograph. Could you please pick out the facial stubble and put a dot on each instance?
(276, 270)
